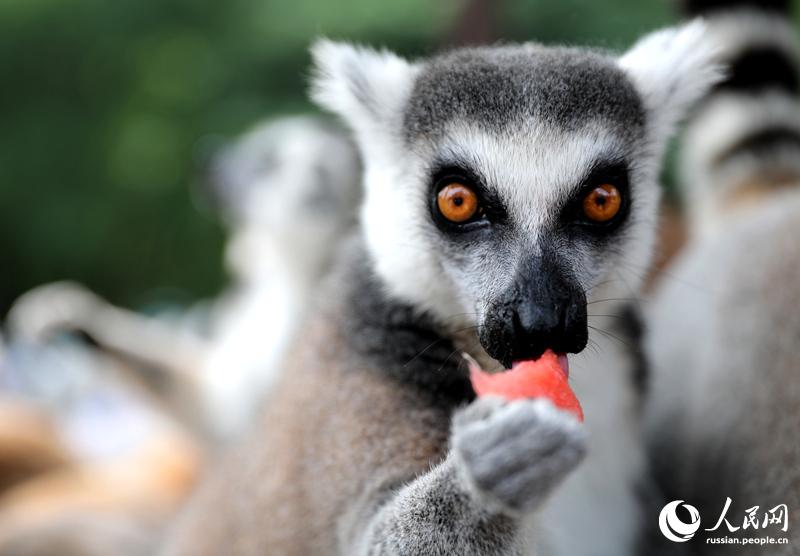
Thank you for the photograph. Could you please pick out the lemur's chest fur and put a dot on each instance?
(365, 406)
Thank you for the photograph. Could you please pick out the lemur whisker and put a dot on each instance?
(663, 274)
(459, 315)
(610, 299)
(429, 346)
(636, 300)
(608, 316)
(447, 359)
(610, 335)
(594, 346)
(603, 283)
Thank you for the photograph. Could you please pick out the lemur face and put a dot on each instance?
(505, 186)
(542, 147)
(287, 168)
(282, 187)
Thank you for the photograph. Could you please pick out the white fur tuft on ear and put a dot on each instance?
(366, 87)
(672, 69)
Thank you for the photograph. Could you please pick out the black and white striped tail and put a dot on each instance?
(747, 131)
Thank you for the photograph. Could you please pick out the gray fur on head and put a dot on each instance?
(502, 89)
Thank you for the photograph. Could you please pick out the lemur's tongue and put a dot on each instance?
(545, 377)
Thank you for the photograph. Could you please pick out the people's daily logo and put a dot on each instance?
(675, 528)
(680, 522)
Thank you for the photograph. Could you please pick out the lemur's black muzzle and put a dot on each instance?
(544, 308)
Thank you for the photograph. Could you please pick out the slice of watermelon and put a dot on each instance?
(545, 377)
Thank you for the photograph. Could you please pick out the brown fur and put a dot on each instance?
(29, 444)
(335, 433)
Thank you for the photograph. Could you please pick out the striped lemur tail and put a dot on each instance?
(744, 139)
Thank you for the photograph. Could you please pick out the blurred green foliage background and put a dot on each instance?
(109, 108)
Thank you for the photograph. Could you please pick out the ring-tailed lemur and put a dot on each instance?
(509, 191)
(289, 189)
(724, 339)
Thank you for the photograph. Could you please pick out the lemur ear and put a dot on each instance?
(672, 69)
(366, 87)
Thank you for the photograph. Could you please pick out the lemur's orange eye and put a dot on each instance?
(457, 202)
(602, 203)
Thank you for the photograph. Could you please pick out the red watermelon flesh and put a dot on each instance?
(545, 377)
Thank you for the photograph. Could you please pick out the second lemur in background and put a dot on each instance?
(288, 189)
(724, 340)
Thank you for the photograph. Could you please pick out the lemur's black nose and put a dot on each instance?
(545, 308)
(557, 323)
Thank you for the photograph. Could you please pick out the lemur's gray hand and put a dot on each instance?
(514, 453)
(504, 458)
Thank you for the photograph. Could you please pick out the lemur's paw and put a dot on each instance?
(514, 453)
